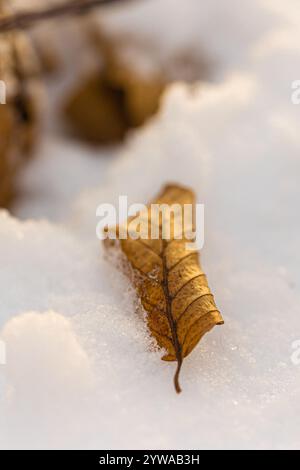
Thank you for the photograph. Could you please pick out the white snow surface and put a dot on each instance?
(81, 370)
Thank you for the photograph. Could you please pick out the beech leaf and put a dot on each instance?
(170, 283)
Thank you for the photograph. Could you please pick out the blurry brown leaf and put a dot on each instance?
(95, 111)
(171, 285)
(142, 91)
(18, 117)
(133, 69)
(114, 99)
(104, 106)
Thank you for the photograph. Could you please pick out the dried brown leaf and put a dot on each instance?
(172, 286)
(19, 116)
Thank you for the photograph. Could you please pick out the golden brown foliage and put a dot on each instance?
(18, 117)
(172, 286)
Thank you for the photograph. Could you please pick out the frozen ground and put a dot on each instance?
(81, 370)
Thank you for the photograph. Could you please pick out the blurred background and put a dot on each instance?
(96, 78)
(92, 78)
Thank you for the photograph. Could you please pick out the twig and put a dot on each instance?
(24, 20)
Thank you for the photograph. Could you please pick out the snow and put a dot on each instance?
(81, 369)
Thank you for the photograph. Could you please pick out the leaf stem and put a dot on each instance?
(24, 20)
(176, 376)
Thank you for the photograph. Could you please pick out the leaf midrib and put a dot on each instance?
(172, 323)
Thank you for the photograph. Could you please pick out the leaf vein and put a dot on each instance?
(182, 259)
(186, 283)
(191, 303)
(195, 322)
